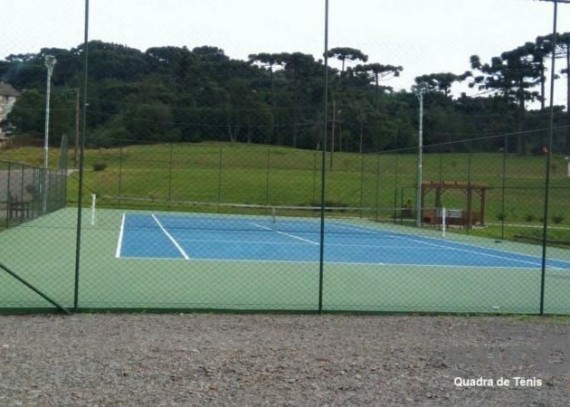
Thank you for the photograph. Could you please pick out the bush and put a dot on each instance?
(557, 219)
(501, 216)
(529, 217)
(99, 166)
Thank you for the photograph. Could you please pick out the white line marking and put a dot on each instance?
(169, 236)
(286, 234)
(121, 232)
(534, 263)
(477, 252)
(388, 265)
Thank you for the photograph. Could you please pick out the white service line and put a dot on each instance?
(286, 234)
(169, 236)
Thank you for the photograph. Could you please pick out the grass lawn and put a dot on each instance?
(270, 175)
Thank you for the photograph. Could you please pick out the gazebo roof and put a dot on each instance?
(8, 90)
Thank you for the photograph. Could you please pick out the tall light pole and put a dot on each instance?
(420, 90)
(50, 62)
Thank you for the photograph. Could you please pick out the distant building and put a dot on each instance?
(8, 96)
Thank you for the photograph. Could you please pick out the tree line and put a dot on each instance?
(176, 94)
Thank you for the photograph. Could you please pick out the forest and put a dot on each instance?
(176, 94)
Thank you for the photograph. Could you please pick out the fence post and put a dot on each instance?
(22, 178)
(120, 175)
(8, 205)
(323, 165)
(220, 177)
(396, 166)
(469, 192)
(361, 183)
(170, 177)
(267, 176)
(504, 181)
(315, 178)
(377, 185)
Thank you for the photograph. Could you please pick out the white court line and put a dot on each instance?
(287, 234)
(169, 236)
(477, 252)
(438, 267)
(120, 242)
(534, 263)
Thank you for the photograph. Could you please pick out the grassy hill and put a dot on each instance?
(164, 176)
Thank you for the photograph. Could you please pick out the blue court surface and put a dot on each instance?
(251, 238)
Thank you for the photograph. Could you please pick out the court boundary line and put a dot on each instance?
(171, 238)
(532, 263)
(466, 248)
(121, 233)
(316, 262)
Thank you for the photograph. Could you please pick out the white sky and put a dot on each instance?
(423, 36)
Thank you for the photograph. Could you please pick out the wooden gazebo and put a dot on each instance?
(464, 218)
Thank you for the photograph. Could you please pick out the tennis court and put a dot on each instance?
(156, 260)
(264, 238)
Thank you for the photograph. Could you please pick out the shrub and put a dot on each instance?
(501, 216)
(529, 217)
(557, 219)
(99, 166)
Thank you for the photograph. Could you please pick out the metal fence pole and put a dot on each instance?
(22, 177)
(504, 183)
(120, 175)
(469, 192)
(323, 163)
(315, 172)
(548, 160)
(81, 159)
(8, 198)
(267, 176)
(220, 170)
(377, 204)
(170, 176)
(396, 167)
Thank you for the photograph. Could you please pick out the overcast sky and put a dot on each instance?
(423, 36)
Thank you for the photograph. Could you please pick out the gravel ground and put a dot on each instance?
(282, 360)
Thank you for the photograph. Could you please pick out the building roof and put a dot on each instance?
(7, 90)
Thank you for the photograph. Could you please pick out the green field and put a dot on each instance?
(264, 175)
(166, 175)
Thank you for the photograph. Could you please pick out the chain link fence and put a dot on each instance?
(279, 182)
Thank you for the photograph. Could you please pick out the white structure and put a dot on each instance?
(8, 96)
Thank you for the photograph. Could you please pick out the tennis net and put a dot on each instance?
(172, 215)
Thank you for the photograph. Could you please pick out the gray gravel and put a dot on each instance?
(281, 360)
